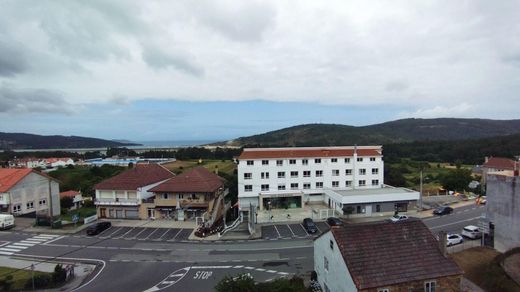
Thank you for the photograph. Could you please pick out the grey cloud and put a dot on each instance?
(396, 86)
(12, 59)
(13, 100)
(159, 59)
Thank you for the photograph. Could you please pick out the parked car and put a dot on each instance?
(333, 221)
(6, 221)
(453, 239)
(309, 225)
(397, 218)
(98, 227)
(472, 231)
(443, 210)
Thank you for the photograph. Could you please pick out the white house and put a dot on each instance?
(348, 179)
(25, 191)
(58, 162)
(77, 198)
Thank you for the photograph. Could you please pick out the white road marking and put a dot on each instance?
(14, 245)
(294, 235)
(305, 230)
(25, 244)
(277, 231)
(164, 233)
(453, 223)
(175, 235)
(9, 249)
(152, 233)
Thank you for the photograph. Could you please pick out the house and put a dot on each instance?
(29, 162)
(77, 198)
(195, 193)
(494, 164)
(121, 196)
(27, 191)
(503, 208)
(58, 162)
(346, 179)
(383, 257)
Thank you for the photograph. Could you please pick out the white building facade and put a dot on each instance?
(334, 176)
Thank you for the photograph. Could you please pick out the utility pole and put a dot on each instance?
(50, 201)
(32, 275)
(421, 190)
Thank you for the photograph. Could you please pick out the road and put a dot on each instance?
(145, 264)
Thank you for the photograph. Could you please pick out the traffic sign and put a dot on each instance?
(75, 218)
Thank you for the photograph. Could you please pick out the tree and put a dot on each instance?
(456, 180)
(59, 275)
(66, 202)
(394, 177)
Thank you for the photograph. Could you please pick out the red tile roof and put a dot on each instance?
(380, 254)
(139, 176)
(303, 152)
(9, 177)
(197, 180)
(500, 163)
(71, 194)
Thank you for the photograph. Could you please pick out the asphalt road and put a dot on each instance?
(153, 263)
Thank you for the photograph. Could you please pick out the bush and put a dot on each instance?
(6, 283)
(59, 275)
(88, 204)
(40, 281)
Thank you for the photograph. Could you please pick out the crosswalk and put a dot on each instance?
(16, 247)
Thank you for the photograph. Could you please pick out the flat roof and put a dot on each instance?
(374, 191)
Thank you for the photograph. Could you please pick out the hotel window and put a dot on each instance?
(265, 188)
(306, 186)
(319, 173)
(265, 162)
(347, 160)
(372, 159)
(281, 174)
(165, 196)
(375, 170)
(17, 208)
(30, 205)
(305, 162)
(292, 161)
(335, 172)
(335, 184)
(317, 160)
(375, 182)
(248, 188)
(294, 186)
(362, 171)
(264, 175)
(306, 173)
(348, 171)
(250, 162)
(281, 187)
(334, 160)
(429, 286)
(360, 159)
(279, 162)
(348, 183)
(294, 174)
(43, 202)
(319, 185)
(248, 175)
(362, 183)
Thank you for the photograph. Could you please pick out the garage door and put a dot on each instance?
(132, 214)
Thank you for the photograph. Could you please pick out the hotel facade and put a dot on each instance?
(347, 179)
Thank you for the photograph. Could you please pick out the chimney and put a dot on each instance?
(216, 169)
(486, 159)
(443, 240)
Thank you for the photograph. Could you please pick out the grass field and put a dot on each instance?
(179, 166)
(20, 277)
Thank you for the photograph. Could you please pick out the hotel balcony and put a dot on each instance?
(117, 202)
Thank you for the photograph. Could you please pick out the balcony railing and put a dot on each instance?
(116, 202)
(149, 200)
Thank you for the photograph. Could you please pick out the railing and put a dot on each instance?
(230, 227)
(149, 200)
(116, 201)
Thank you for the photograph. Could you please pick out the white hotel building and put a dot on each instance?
(340, 178)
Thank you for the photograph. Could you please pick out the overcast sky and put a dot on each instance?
(175, 70)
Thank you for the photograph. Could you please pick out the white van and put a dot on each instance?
(6, 221)
(472, 232)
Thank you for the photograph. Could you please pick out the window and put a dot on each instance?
(348, 171)
(378, 208)
(265, 187)
(429, 286)
(347, 160)
(17, 208)
(383, 290)
(250, 162)
(372, 159)
(335, 184)
(326, 264)
(248, 175)
(264, 175)
(362, 171)
(362, 183)
(30, 205)
(294, 174)
(292, 161)
(43, 202)
(319, 173)
(294, 186)
(265, 162)
(360, 159)
(334, 160)
(375, 182)
(359, 210)
(375, 170)
(281, 174)
(181, 196)
(348, 183)
(281, 187)
(306, 173)
(165, 196)
(306, 186)
(335, 172)
(317, 160)
(331, 244)
(319, 185)
(305, 162)
(248, 188)
(279, 162)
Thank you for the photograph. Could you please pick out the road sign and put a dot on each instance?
(75, 218)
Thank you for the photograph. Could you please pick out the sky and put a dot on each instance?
(211, 70)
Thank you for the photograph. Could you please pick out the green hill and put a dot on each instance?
(399, 131)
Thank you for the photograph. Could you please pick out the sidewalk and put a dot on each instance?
(81, 271)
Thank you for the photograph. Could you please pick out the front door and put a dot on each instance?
(102, 212)
(151, 213)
